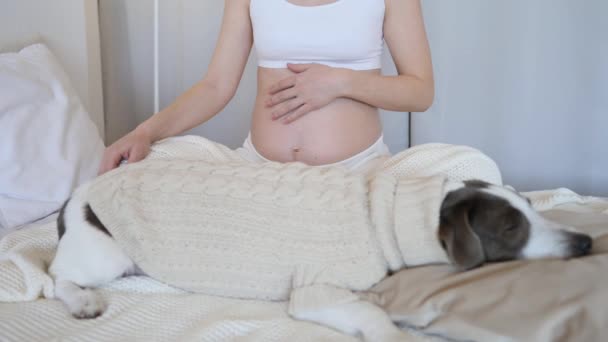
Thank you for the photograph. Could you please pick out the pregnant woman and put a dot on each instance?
(319, 85)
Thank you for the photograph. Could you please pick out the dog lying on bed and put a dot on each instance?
(272, 231)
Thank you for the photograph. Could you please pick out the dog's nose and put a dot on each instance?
(582, 244)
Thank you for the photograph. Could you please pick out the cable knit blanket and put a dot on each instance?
(144, 309)
(213, 224)
(246, 230)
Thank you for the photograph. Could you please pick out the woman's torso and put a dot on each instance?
(332, 133)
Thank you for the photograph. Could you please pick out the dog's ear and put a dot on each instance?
(61, 220)
(457, 237)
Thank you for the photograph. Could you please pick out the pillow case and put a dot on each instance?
(48, 143)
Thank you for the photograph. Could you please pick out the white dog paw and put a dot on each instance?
(88, 304)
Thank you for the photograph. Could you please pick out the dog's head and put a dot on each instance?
(481, 222)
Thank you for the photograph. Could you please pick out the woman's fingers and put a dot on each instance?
(283, 84)
(137, 153)
(281, 96)
(110, 160)
(301, 111)
(134, 147)
(286, 107)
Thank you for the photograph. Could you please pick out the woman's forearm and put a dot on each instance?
(194, 107)
(401, 93)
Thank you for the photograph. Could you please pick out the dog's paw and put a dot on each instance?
(87, 305)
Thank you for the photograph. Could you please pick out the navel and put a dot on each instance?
(294, 152)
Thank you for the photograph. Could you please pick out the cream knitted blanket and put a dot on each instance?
(239, 229)
(456, 162)
(197, 216)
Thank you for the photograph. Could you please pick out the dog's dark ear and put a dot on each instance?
(457, 237)
(61, 220)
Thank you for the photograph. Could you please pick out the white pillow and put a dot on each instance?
(48, 143)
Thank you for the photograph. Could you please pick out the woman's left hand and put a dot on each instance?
(313, 86)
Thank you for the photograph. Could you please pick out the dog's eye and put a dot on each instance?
(512, 228)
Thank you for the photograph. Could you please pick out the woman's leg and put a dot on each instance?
(454, 161)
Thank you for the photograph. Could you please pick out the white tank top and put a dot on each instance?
(344, 33)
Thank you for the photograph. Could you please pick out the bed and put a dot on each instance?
(549, 300)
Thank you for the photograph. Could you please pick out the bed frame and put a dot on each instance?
(70, 28)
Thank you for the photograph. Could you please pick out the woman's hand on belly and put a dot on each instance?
(334, 132)
(312, 87)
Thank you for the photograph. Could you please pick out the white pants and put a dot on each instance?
(363, 162)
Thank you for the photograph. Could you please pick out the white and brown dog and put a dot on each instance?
(478, 223)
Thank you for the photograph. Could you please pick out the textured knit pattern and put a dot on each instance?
(456, 162)
(192, 147)
(245, 230)
(24, 258)
(240, 229)
(139, 308)
(410, 238)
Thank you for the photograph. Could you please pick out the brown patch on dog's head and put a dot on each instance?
(94, 220)
(477, 227)
(61, 220)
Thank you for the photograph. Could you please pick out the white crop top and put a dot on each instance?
(344, 33)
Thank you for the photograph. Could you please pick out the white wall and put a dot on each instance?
(126, 53)
(70, 29)
(526, 82)
(189, 29)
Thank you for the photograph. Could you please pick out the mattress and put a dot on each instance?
(549, 300)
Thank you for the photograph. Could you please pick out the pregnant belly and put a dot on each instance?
(330, 134)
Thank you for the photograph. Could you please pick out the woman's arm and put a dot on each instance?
(201, 102)
(412, 90)
(210, 95)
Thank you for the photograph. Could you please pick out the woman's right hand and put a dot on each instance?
(133, 147)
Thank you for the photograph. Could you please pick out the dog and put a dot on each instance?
(478, 223)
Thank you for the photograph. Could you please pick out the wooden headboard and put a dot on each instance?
(70, 28)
